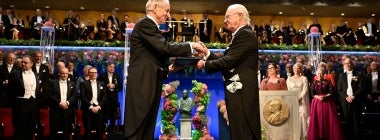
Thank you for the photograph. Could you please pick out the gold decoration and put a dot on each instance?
(276, 112)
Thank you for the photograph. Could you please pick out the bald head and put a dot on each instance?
(60, 65)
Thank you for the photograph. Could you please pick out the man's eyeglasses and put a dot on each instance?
(228, 16)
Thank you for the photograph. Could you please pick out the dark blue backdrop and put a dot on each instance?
(214, 81)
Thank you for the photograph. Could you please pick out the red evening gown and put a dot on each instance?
(324, 122)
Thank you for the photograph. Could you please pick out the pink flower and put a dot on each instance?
(168, 105)
(200, 108)
(197, 99)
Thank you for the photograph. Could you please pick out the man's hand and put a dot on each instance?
(95, 109)
(174, 68)
(200, 47)
(201, 64)
(111, 86)
(63, 105)
(350, 98)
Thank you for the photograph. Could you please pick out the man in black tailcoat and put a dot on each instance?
(239, 67)
(62, 98)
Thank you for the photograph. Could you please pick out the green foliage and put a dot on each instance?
(196, 134)
(197, 87)
(100, 43)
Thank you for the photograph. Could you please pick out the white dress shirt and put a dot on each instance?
(349, 79)
(369, 29)
(110, 77)
(10, 66)
(94, 88)
(63, 89)
(38, 67)
(30, 84)
(374, 82)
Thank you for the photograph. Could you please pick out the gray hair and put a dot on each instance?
(149, 5)
(241, 9)
(322, 70)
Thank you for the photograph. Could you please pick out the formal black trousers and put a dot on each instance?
(25, 118)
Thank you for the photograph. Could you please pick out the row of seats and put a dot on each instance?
(6, 130)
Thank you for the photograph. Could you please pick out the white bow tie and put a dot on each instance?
(28, 72)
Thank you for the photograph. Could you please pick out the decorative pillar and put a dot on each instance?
(315, 50)
(127, 48)
(185, 128)
(47, 44)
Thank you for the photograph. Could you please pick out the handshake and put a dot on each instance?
(201, 52)
(200, 49)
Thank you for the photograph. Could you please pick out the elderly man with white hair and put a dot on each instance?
(239, 68)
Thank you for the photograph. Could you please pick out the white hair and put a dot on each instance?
(150, 3)
(241, 9)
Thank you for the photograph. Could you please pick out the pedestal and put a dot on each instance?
(279, 115)
(185, 128)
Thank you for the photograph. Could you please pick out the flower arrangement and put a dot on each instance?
(170, 108)
(199, 120)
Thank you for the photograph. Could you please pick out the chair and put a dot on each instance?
(44, 122)
(6, 123)
(371, 125)
(79, 122)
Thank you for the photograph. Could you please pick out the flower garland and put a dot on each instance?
(199, 120)
(170, 108)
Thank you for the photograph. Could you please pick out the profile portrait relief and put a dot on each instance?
(276, 112)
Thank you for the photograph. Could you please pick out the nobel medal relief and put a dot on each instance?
(276, 112)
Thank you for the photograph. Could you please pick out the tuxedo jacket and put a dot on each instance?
(367, 83)
(4, 74)
(5, 20)
(356, 84)
(208, 26)
(374, 28)
(148, 67)
(240, 58)
(54, 94)
(86, 94)
(16, 83)
(263, 74)
(115, 80)
(74, 77)
(34, 19)
(43, 73)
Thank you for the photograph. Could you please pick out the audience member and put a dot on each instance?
(5, 72)
(25, 86)
(36, 23)
(299, 83)
(205, 26)
(43, 72)
(273, 82)
(324, 120)
(94, 98)
(350, 93)
(114, 86)
(62, 98)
